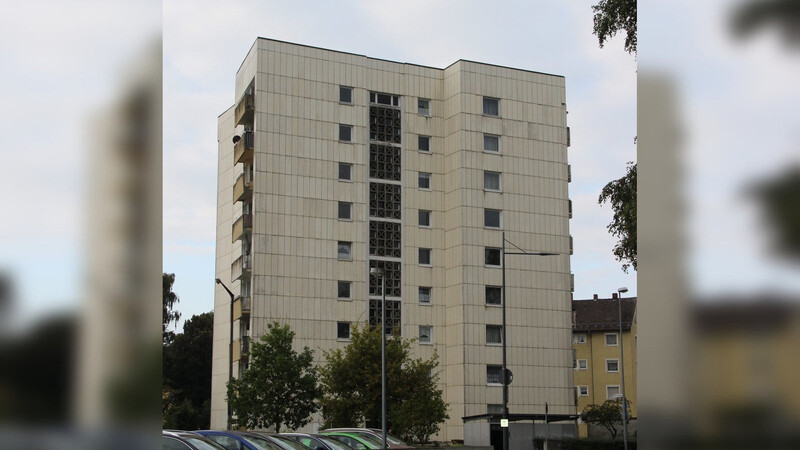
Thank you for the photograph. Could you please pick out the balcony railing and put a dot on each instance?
(241, 348)
(241, 307)
(244, 224)
(245, 108)
(240, 267)
(243, 186)
(243, 148)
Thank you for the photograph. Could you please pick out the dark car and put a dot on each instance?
(318, 441)
(186, 440)
(240, 440)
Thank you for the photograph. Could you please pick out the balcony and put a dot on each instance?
(241, 348)
(241, 307)
(243, 148)
(240, 267)
(244, 224)
(243, 186)
(246, 108)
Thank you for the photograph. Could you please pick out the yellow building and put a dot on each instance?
(596, 352)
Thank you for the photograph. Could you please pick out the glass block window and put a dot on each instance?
(391, 270)
(384, 162)
(384, 124)
(384, 239)
(384, 200)
(392, 314)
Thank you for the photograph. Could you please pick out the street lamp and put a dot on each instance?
(378, 272)
(621, 291)
(505, 369)
(230, 348)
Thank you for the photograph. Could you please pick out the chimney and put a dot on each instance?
(594, 297)
(614, 295)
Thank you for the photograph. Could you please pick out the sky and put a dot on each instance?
(204, 44)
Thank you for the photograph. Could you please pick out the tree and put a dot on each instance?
(187, 375)
(279, 387)
(607, 415)
(778, 197)
(611, 16)
(621, 194)
(169, 300)
(351, 383)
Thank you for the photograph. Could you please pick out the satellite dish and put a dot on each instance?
(236, 139)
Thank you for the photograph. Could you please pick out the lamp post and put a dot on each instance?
(377, 271)
(230, 348)
(621, 291)
(503, 298)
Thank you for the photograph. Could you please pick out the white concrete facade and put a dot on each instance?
(296, 192)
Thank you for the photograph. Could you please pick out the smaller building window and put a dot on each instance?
(492, 218)
(346, 94)
(491, 181)
(425, 333)
(424, 218)
(494, 375)
(424, 257)
(494, 334)
(494, 295)
(581, 364)
(343, 330)
(345, 133)
(425, 295)
(345, 250)
(612, 392)
(492, 256)
(611, 339)
(491, 143)
(424, 143)
(345, 211)
(612, 365)
(345, 172)
(344, 289)
(424, 180)
(583, 391)
(424, 107)
(579, 338)
(491, 106)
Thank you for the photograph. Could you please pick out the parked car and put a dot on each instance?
(363, 441)
(391, 441)
(186, 440)
(318, 441)
(240, 440)
(285, 442)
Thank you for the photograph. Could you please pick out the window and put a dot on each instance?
(581, 364)
(492, 218)
(345, 250)
(611, 339)
(424, 218)
(344, 289)
(494, 295)
(491, 143)
(424, 257)
(491, 180)
(425, 334)
(343, 330)
(384, 99)
(345, 94)
(424, 180)
(424, 143)
(612, 392)
(345, 172)
(345, 210)
(424, 106)
(579, 338)
(345, 133)
(612, 365)
(494, 374)
(494, 334)
(425, 295)
(491, 106)
(583, 391)
(492, 256)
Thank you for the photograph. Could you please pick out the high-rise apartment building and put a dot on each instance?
(332, 163)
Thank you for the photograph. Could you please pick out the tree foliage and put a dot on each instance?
(621, 194)
(278, 388)
(779, 197)
(611, 16)
(607, 415)
(351, 382)
(169, 300)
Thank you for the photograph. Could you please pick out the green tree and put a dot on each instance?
(278, 388)
(607, 415)
(351, 383)
(621, 194)
(611, 16)
(169, 300)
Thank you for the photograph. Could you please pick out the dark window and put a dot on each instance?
(344, 289)
(494, 374)
(343, 330)
(345, 94)
(384, 238)
(425, 334)
(492, 256)
(425, 295)
(491, 143)
(345, 133)
(491, 181)
(491, 106)
(345, 250)
(494, 334)
(424, 143)
(384, 162)
(494, 295)
(345, 171)
(424, 180)
(491, 218)
(425, 256)
(424, 106)
(424, 218)
(345, 210)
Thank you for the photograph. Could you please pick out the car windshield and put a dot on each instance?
(370, 439)
(202, 444)
(333, 443)
(290, 443)
(261, 443)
